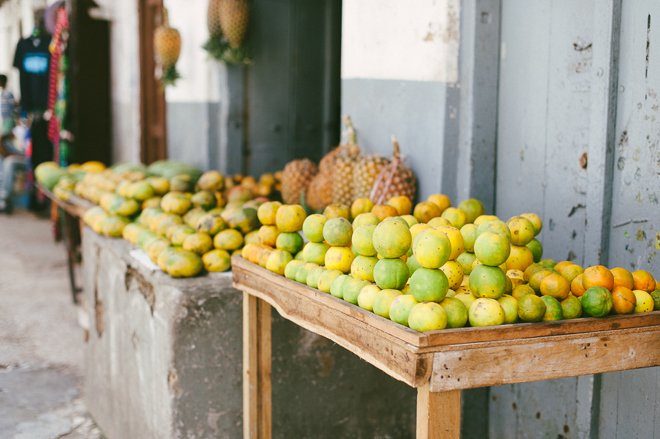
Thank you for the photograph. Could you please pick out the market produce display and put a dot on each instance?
(186, 221)
(434, 266)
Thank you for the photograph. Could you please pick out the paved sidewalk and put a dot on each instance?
(41, 344)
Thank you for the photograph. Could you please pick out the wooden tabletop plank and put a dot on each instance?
(75, 206)
(546, 358)
(434, 340)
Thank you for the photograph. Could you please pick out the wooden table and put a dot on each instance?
(68, 218)
(439, 364)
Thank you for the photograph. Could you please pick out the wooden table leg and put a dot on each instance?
(438, 414)
(257, 389)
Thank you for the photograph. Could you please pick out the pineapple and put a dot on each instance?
(213, 19)
(167, 48)
(342, 170)
(365, 173)
(296, 177)
(167, 43)
(319, 192)
(395, 179)
(234, 15)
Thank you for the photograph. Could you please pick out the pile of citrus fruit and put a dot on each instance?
(433, 266)
(185, 220)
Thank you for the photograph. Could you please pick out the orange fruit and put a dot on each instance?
(535, 220)
(472, 209)
(440, 200)
(555, 285)
(643, 280)
(559, 265)
(361, 205)
(426, 211)
(455, 216)
(337, 211)
(576, 286)
(383, 211)
(570, 270)
(597, 276)
(536, 279)
(520, 258)
(623, 300)
(522, 230)
(402, 204)
(623, 278)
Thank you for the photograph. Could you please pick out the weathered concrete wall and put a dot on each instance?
(164, 359)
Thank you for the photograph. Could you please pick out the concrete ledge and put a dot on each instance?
(164, 360)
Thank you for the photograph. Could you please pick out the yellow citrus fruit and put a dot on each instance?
(313, 276)
(455, 216)
(326, 278)
(315, 252)
(362, 240)
(429, 285)
(622, 278)
(410, 220)
(454, 273)
(469, 234)
(466, 260)
(466, 297)
(402, 204)
(485, 312)
(367, 296)
(536, 278)
(486, 281)
(337, 232)
(337, 211)
(339, 258)
(519, 258)
(531, 308)
(400, 308)
(383, 211)
(457, 313)
(484, 218)
(522, 230)
(362, 267)
(229, 239)
(291, 242)
(455, 239)
(425, 211)
(571, 308)
(365, 219)
(522, 290)
(278, 260)
(535, 220)
(643, 280)
(268, 235)
(252, 238)
(313, 227)
(290, 217)
(644, 301)
(291, 268)
(199, 243)
(432, 248)
(391, 273)
(555, 285)
(509, 305)
(361, 205)
(425, 317)
(416, 229)
(351, 289)
(495, 226)
(440, 200)
(383, 301)
(491, 248)
(472, 209)
(181, 263)
(216, 260)
(570, 271)
(438, 221)
(391, 238)
(577, 289)
(516, 277)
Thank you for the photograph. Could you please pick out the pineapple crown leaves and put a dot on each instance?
(169, 75)
(218, 48)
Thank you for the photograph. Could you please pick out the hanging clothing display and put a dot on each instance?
(32, 59)
(58, 86)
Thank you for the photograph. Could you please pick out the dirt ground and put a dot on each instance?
(41, 356)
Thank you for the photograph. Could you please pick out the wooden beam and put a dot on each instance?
(257, 387)
(438, 414)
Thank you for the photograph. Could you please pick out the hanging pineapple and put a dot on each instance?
(296, 177)
(227, 22)
(342, 173)
(395, 179)
(167, 48)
